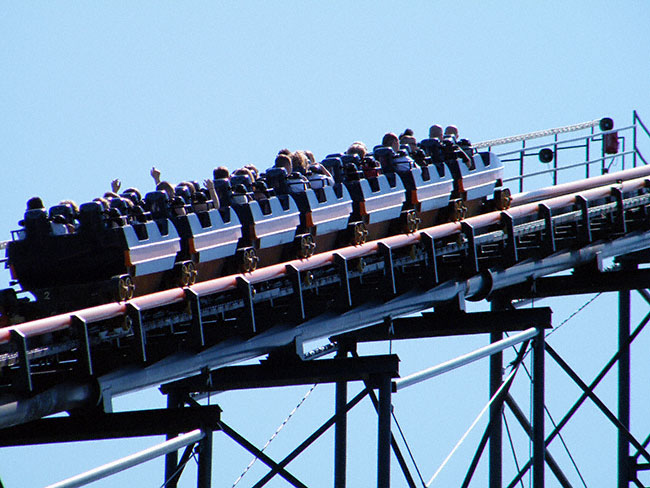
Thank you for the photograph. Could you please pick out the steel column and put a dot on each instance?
(204, 475)
(624, 387)
(340, 435)
(171, 458)
(396, 450)
(495, 427)
(384, 433)
(521, 418)
(539, 447)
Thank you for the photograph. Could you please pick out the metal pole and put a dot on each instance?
(130, 461)
(521, 165)
(634, 117)
(496, 428)
(587, 146)
(384, 433)
(204, 475)
(623, 386)
(555, 154)
(171, 459)
(396, 450)
(539, 447)
(465, 359)
(340, 435)
(603, 167)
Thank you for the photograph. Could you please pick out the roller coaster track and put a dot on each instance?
(82, 359)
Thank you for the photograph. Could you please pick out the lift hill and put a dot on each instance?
(83, 358)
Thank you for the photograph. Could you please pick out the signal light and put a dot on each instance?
(546, 155)
(606, 124)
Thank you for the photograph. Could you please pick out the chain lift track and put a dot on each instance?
(177, 332)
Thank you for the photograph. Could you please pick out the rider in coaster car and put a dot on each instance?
(178, 207)
(299, 162)
(239, 195)
(370, 167)
(283, 161)
(199, 202)
(260, 190)
(319, 177)
(358, 148)
(297, 182)
(351, 172)
(409, 140)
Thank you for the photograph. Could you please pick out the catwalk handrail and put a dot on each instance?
(564, 168)
(565, 141)
(538, 134)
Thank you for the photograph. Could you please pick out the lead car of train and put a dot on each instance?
(117, 255)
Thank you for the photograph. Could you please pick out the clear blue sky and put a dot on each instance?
(95, 91)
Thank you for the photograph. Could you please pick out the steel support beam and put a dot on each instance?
(598, 402)
(340, 433)
(443, 324)
(130, 461)
(171, 459)
(587, 393)
(396, 450)
(281, 373)
(187, 454)
(476, 458)
(96, 426)
(581, 283)
(539, 448)
(204, 472)
(384, 432)
(465, 359)
(310, 440)
(624, 387)
(495, 425)
(239, 439)
(497, 398)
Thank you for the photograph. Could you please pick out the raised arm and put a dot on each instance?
(116, 185)
(209, 184)
(155, 174)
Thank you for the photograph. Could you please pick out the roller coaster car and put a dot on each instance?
(377, 201)
(428, 188)
(268, 227)
(324, 216)
(208, 240)
(98, 261)
(477, 177)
